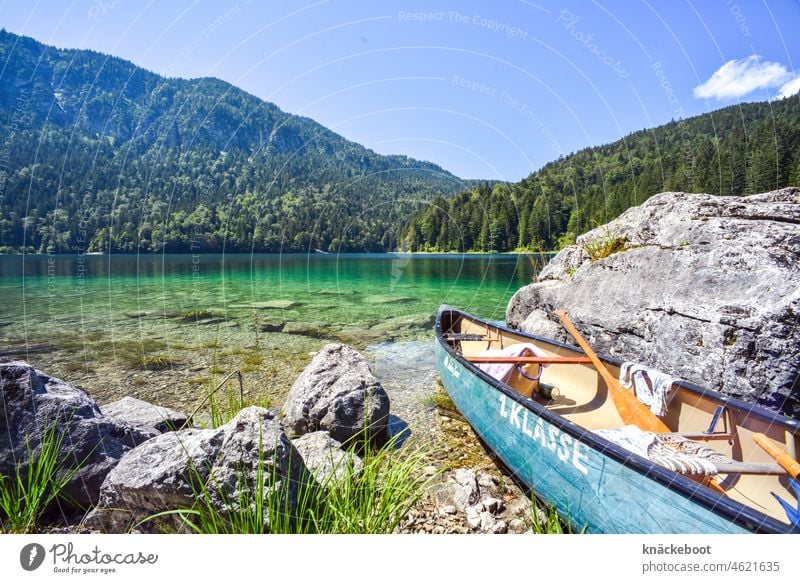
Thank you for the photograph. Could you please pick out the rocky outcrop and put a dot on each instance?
(337, 393)
(33, 402)
(220, 467)
(145, 416)
(704, 287)
(326, 459)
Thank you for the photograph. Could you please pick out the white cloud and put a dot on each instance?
(790, 88)
(740, 77)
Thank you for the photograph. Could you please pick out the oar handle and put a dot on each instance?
(786, 461)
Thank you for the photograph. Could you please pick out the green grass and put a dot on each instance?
(605, 245)
(34, 486)
(373, 501)
(552, 522)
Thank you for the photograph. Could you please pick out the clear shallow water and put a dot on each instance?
(126, 325)
(356, 289)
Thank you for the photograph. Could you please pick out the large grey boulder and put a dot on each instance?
(179, 470)
(146, 416)
(325, 458)
(337, 393)
(706, 288)
(33, 402)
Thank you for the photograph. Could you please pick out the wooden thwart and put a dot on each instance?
(530, 359)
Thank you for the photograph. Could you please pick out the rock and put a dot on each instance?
(271, 325)
(32, 401)
(269, 305)
(517, 525)
(168, 472)
(500, 527)
(706, 289)
(487, 521)
(458, 488)
(473, 518)
(310, 329)
(386, 299)
(494, 505)
(338, 393)
(448, 509)
(325, 458)
(488, 484)
(403, 325)
(145, 416)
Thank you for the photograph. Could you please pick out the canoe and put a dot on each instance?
(553, 447)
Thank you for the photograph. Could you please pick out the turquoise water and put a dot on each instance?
(54, 291)
(166, 328)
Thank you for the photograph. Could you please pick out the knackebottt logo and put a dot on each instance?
(66, 559)
(31, 556)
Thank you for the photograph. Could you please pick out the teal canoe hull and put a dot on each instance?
(595, 491)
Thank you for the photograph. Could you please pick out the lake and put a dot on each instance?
(165, 326)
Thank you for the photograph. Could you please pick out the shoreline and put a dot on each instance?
(304, 253)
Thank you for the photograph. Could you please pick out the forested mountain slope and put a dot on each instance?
(98, 154)
(742, 149)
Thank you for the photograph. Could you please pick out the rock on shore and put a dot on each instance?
(337, 393)
(34, 402)
(175, 470)
(705, 288)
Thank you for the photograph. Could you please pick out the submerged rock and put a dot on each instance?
(33, 402)
(338, 393)
(221, 467)
(705, 288)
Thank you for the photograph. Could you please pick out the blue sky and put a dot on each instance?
(485, 89)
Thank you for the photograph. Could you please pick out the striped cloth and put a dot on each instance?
(671, 451)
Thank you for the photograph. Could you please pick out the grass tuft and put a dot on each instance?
(373, 501)
(26, 495)
(605, 245)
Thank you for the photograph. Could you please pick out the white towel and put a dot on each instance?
(652, 387)
(502, 370)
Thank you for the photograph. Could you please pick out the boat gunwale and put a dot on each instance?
(736, 512)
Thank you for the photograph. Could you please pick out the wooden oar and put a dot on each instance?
(631, 409)
(786, 461)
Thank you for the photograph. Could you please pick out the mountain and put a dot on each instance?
(742, 149)
(97, 154)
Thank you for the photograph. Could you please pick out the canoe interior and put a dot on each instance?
(583, 399)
